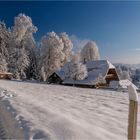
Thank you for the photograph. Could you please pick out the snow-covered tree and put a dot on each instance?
(4, 39)
(3, 64)
(22, 41)
(76, 70)
(119, 71)
(136, 76)
(124, 72)
(90, 52)
(32, 72)
(24, 29)
(52, 55)
(67, 50)
(126, 75)
(19, 64)
(22, 63)
(75, 58)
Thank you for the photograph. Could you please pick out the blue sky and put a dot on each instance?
(115, 26)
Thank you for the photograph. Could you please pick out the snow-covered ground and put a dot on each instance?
(62, 112)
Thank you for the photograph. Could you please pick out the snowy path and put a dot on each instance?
(60, 112)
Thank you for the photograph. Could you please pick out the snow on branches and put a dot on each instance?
(67, 50)
(23, 27)
(20, 56)
(76, 70)
(55, 53)
(3, 64)
(51, 54)
(18, 50)
(21, 46)
(90, 52)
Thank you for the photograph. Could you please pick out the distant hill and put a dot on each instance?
(135, 66)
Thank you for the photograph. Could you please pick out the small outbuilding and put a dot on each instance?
(6, 75)
(97, 70)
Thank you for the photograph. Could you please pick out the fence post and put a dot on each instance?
(133, 109)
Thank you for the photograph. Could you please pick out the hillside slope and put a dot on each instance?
(61, 112)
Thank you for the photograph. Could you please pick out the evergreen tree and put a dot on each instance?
(22, 43)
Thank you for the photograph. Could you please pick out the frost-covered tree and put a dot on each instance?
(90, 52)
(67, 50)
(124, 72)
(22, 63)
(136, 76)
(125, 75)
(22, 41)
(119, 71)
(76, 70)
(100, 79)
(55, 52)
(32, 72)
(4, 39)
(52, 55)
(19, 64)
(24, 29)
(3, 64)
(4, 54)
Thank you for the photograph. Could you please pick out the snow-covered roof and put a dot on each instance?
(94, 68)
(99, 64)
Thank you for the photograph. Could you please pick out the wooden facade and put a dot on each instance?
(5, 75)
(54, 78)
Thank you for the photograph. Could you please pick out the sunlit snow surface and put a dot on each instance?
(62, 112)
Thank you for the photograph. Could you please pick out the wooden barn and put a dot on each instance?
(95, 69)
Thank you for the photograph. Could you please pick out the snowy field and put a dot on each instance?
(70, 113)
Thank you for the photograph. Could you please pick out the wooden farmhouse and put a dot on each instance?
(96, 69)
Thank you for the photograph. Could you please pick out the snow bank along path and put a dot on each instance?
(9, 128)
(61, 112)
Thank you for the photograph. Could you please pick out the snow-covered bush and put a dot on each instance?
(90, 52)
(100, 79)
